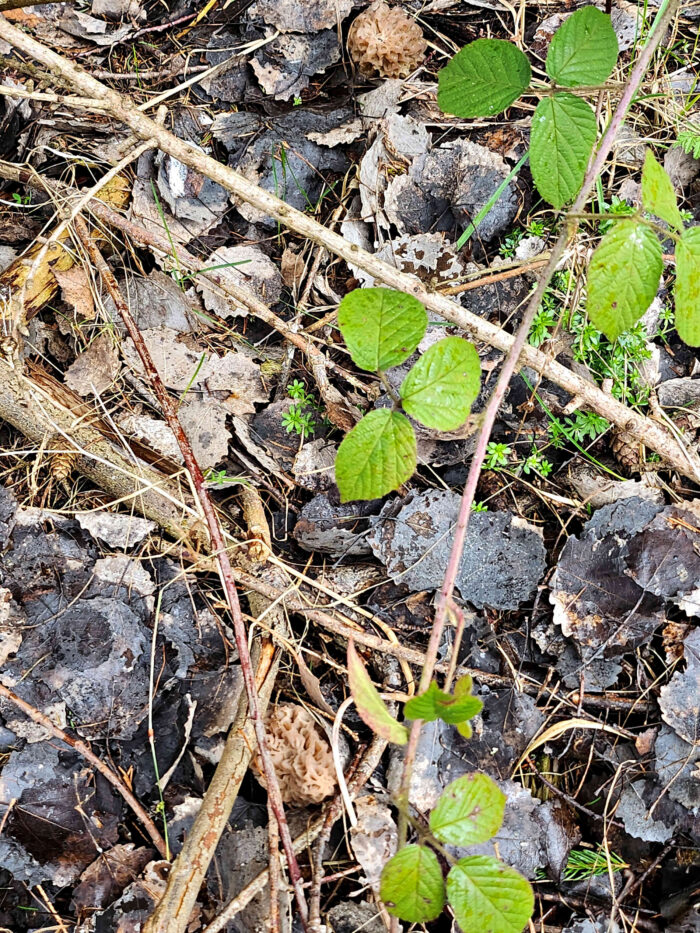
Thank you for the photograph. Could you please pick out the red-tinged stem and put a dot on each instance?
(218, 548)
(510, 365)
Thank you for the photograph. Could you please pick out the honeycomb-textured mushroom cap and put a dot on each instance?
(302, 758)
(384, 39)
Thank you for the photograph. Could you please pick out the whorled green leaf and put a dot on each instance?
(381, 327)
(485, 894)
(687, 291)
(623, 277)
(561, 139)
(584, 49)
(412, 886)
(436, 704)
(483, 78)
(441, 386)
(370, 706)
(658, 196)
(376, 457)
(469, 811)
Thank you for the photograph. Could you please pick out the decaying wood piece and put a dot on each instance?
(650, 433)
(36, 413)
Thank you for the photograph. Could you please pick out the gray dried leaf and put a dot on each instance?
(332, 529)
(284, 66)
(156, 300)
(310, 16)
(680, 699)
(313, 466)
(663, 559)
(154, 433)
(596, 603)
(245, 267)
(204, 423)
(95, 370)
(84, 26)
(114, 528)
(676, 766)
(116, 9)
(504, 556)
(634, 813)
(232, 379)
(105, 879)
(374, 837)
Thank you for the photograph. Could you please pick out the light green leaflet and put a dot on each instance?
(687, 291)
(485, 894)
(469, 811)
(483, 79)
(658, 196)
(583, 50)
(376, 457)
(623, 277)
(381, 327)
(369, 704)
(412, 885)
(441, 386)
(561, 139)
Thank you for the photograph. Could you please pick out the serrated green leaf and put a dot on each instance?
(483, 79)
(441, 386)
(584, 49)
(687, 291)
(658, 196)
(381, 327)
(485, 894)
(370, 706)
(376, 457)
(561, 139)
(436, 704)
(623, 277)
(412, 886)
(469, 810)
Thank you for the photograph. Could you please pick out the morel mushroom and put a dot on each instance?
(385, 40)
(302, 758)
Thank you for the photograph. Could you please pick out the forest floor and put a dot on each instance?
(122, 669)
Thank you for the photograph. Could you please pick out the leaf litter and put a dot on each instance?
(572, 581)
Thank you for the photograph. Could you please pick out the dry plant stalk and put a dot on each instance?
(650, 433)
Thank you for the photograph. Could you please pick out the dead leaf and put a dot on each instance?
(246, 267)
(680, 699)
(76, 290)
(95, 370)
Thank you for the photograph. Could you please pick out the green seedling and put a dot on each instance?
(382, 328)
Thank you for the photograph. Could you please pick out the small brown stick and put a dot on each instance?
(495, 277)
(650, 433)
(222, 557)
(275, 870)
(41, 719)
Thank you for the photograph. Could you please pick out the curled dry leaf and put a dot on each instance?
(384, 40)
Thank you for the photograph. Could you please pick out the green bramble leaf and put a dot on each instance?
(483, 79)
(441, 386)
(463, 688)
(623, 277)
(412, 886)
(376, 457)
(469, 810)
(584, 49)
(436, 704)
(687, 291)
(370, 706)
(485, 894)
(381, 327)
(561, 139)
(658, 196)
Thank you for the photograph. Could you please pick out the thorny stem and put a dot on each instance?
(222, 558)
(494, 403)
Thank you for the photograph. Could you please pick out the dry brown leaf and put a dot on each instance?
(95, 370)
